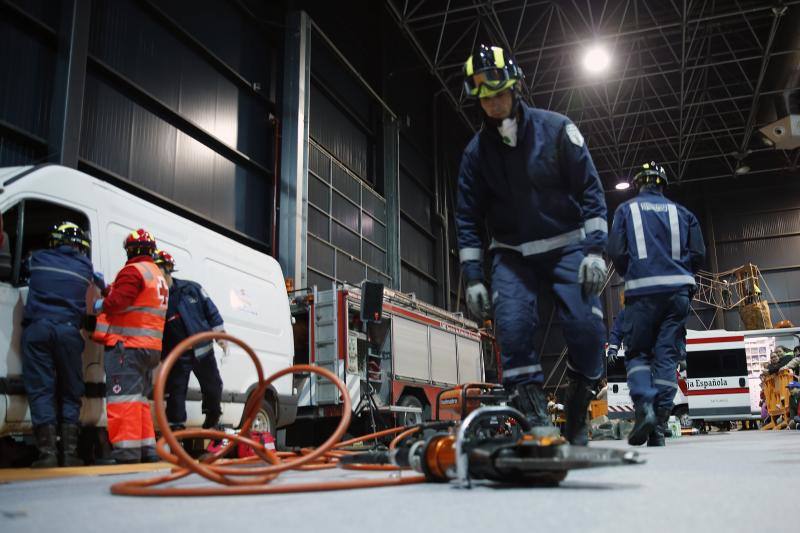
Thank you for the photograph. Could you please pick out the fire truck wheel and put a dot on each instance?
(410, 419)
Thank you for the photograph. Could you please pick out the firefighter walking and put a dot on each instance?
(656, 245)
(527, 175)
(130, 324)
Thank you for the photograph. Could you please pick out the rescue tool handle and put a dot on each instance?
(462, 461)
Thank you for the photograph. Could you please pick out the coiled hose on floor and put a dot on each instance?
(253, 475)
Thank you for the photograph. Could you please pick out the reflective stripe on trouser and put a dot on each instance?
(129, 375)
(653, 333)
(516, 281)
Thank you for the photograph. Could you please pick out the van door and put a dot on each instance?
(27, 224)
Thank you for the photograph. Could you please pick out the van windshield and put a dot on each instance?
(716, 363)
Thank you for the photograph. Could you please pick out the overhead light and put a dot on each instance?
(742, 170)
(622, 185)
(596, 59)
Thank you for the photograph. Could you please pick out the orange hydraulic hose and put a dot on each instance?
(231, 475)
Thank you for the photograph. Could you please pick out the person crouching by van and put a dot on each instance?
(190, 311)
(52, 345)
(130, 323)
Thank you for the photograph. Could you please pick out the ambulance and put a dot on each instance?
(722, 377)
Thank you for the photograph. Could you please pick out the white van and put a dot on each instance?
(246, 285)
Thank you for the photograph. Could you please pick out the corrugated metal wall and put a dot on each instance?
(417, 239)
(169, 104)
(761, 226)
(347, 217)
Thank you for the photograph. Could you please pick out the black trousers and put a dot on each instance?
(207, 373)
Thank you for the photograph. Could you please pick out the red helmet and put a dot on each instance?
(164, 259)
(140, 241)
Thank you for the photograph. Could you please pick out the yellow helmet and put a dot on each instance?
(490, 71)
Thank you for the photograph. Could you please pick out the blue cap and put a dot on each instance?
(794, 384)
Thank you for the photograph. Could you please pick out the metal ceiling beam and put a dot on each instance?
(431, 67)
(777, 11)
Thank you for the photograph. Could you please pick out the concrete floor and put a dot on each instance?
(739, 481)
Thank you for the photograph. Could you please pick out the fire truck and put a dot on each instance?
(421, 350)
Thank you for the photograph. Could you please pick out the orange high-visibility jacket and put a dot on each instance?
(141, 325)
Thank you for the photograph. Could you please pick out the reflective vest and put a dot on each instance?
(141, 325)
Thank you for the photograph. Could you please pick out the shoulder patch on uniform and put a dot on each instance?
(574, 134)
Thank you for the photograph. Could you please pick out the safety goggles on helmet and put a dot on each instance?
(164, 260)
(489, 72)
(68, 233)
(651, 173)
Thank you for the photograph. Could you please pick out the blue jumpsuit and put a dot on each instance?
(657, 246)
(52, 346)
(191, 311)
(544, 207)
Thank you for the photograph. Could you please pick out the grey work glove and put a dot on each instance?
(478, 300)
(592, 274)
(612, 354)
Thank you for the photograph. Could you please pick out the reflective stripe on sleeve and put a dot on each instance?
(595, 224)
(674, 231)
(638, 231)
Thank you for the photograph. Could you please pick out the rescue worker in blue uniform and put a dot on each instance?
(190, 311)
(528, 177)
(657, 246)
(52, 345)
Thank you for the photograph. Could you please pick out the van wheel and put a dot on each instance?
(265, 420)
(410, 419)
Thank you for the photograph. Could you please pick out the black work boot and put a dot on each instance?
(661, 431)
(102, 448)
(643, 426)
(46, 443)
(211, 421)
(580, 393)
(530, 400)
(69, 445)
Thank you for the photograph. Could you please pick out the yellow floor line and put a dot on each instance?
(11, 475)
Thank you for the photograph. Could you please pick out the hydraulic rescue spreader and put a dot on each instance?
(492, 442)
